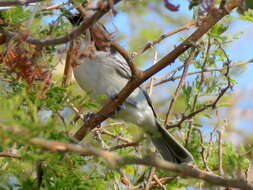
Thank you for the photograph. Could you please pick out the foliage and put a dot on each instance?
(34, 103)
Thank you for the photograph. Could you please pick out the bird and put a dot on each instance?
(102, 70)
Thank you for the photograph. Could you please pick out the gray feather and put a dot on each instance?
(121, 66)
(169, 148)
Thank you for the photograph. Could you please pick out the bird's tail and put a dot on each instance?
(169, 148)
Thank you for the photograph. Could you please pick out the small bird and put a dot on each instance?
(102, 70)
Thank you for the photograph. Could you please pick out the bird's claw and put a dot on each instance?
(89, 115)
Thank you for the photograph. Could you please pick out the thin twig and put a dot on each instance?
(209, 146)
(162, 37)
(9, 155)
(170, 74)
(154, 183)
(188, 134)
(15, 129)
(192, 114)
(180, 84)
(152, 78)
(203, 148)
(56, 6)
(214, 103)
(202, 79)
(165, 179)
(150, 177)
(158, 181)
(98, 137)
(173, 78)
(116, 136)
(116, 147)
(106, 126)
(78, 112)
(124, 179)
(68, 69)
(221, 172)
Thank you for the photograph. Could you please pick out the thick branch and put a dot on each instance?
(116, 160)
(211, 19)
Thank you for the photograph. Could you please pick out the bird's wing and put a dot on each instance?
(148, 99)
(122, 68)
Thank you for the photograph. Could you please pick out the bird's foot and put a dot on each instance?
(119, 107)
(89, 115)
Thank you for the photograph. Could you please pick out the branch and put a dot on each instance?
(9, 155)
(155, 182)
(55, 6)
(68, 69)
(70, 36)
(214, 103)
(18, 2)
(115, 160)
(173, 78)
(152, 78)
(203, 149)
(211, 19)
(194, 113)
(17, 130)
(124, 179)
(221, 172)
(115, 136)
(180, 84)
(116, 147)
(150, 177)
(162, 37)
